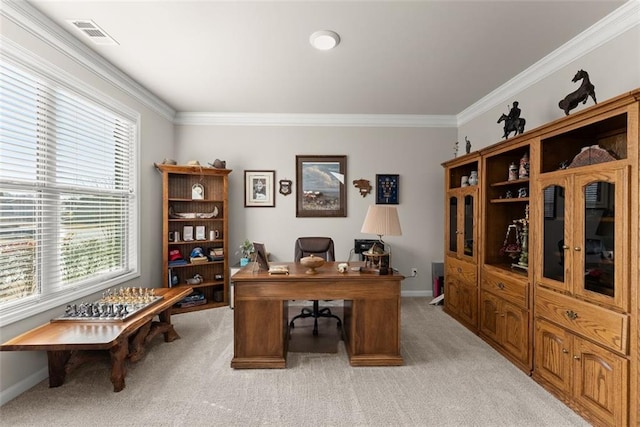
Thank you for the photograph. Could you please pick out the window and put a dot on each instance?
(68, 190)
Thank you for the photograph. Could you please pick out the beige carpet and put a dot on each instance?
(451, 378)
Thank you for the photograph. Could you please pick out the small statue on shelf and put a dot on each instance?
(512, 246)
(522, 192)
(455, 149)
(512, 122)
(523, 261)
(468, 145)
(581, 94)
(523, 171)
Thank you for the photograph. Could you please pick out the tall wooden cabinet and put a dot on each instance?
(195, 216)
(505, 303)
(561, 300)
(586, 258)
(461, 237)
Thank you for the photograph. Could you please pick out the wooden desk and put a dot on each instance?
(371, 323)
(67, 343)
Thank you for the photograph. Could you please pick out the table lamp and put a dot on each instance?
(383, 221)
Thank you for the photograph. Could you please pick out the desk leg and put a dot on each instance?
(260, 334)
(57, 366)
(118, 355)
(373, 332)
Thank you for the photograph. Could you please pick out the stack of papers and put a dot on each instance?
(278, 269)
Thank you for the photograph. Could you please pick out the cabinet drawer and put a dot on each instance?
(506, 287)
(590, 321)
(464, 271)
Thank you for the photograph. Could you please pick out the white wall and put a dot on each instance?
(614, 68)
(413, 153)
(21, 370)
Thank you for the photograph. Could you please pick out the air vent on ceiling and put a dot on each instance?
(91, 30)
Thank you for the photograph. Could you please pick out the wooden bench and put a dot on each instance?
(71, 343)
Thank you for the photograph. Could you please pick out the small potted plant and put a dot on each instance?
(245, 250)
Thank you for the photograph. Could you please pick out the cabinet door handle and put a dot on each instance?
(500, 285)
(565, 351)
(576, 357)
(571, 314)
(577, 249)
(565, 247)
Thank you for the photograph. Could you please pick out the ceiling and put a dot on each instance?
(395, 57)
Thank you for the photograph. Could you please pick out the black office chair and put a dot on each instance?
(321, 247)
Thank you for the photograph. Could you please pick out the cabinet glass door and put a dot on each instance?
(599, 238)
(468, 225)
(555, 242)
(453, 224)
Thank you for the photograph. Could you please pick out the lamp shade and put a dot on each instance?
(382, 220)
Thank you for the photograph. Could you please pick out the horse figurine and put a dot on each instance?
(582, 94)
(516, 125)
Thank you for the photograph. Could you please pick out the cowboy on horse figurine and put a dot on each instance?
(512, 122)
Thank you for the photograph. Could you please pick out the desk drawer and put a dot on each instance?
(590, 321)
(462, 270)
(506, 287)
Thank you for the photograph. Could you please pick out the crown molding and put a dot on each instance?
(611, 26)
(346, 120)
(34, 22)
(37, 24)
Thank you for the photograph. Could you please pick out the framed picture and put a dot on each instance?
(387, 189)
(259, 189)
(320, 186)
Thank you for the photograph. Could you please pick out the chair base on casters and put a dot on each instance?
(316, 312)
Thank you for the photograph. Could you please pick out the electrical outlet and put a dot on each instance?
(414, 272)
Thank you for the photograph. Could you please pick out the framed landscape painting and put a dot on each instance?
(320, 186)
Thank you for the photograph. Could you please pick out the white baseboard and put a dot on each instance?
(419, 293)
(17, 389)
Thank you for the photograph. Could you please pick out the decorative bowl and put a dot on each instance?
(312, 262)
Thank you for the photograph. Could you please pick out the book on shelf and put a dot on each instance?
(278, 269)
(198, 260)
(193, 303)
(196, 298)
(216, 254)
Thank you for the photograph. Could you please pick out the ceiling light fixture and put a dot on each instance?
(324, 39)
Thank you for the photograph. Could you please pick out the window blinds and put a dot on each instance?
(67, 188)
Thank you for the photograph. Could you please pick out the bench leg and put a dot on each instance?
(57, 366)
(118, 355)
(136, 348)
(170, 334)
